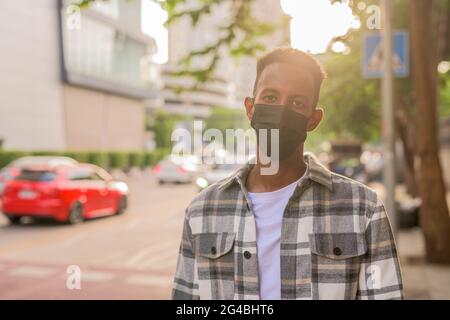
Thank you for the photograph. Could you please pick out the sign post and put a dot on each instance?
(388, 131)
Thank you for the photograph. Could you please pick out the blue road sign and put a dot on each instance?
(372, 62)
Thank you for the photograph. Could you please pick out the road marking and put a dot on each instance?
(156, 260)
(96, 276)
(142, 280)
(138, 258)
(32, 271)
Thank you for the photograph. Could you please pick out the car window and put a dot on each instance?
(76, 175)
(96, 176)
(36, 175)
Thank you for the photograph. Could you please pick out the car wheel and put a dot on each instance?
(14, 219)
(123, 203)
(75, 214)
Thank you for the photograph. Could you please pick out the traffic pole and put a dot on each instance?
(388, 132)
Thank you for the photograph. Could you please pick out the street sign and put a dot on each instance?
(372, 66)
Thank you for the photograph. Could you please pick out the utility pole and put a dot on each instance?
(388, 132)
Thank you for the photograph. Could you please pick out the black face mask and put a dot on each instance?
(291, 125)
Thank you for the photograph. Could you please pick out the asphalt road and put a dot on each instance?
(132, 256)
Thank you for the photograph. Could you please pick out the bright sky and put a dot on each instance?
(314, 24)
(153, 18)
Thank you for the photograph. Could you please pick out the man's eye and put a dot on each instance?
(298, 104)
(270, 98)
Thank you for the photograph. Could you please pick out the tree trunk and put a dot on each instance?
(402, 122)
(434, 214)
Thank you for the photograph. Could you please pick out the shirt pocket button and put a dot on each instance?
(247, 255)
(337, 251)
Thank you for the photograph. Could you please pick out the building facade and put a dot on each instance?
(233, 78)
(74, 79)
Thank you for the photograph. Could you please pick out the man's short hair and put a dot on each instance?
(299, 59)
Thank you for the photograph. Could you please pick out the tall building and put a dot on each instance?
(233, 79)
(74, 79)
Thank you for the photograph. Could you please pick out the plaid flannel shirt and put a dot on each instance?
(336, 242)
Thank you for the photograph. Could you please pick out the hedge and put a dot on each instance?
(108, 160)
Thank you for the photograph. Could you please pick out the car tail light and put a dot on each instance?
(157, 168)
(14, 172)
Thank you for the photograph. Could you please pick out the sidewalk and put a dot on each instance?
(421, 280)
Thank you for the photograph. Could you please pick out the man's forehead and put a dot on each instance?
(285, 77)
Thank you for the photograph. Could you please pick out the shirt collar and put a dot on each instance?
(314, 171)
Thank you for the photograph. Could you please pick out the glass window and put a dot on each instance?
(36, 175)
(99, 50)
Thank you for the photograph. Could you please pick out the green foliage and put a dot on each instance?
(107, 160)
(98, 158)
(7, 156)
(444, 99)
(224, 118)
(135, 159)
(352, 104)
(117, 160)
(241, 36)
(163, 126)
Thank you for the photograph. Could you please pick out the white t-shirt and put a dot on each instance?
(268, 209)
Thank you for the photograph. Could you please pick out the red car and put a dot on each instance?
(13, 169)
(67, 193)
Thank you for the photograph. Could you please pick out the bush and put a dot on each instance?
(7, 156)
(117, 160)
(98, 158)
(77, 155)
(107, 160)
(135, 159)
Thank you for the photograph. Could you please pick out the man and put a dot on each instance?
(302, 232)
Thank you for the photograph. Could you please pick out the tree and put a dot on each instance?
(356, 102)
(241, 36)
(434, 214)
(164, 124)
(223, 118)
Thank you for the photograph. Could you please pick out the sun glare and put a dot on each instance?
(316, 22)
(153, 18)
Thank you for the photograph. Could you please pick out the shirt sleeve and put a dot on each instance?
(380, 275)
(186, 282)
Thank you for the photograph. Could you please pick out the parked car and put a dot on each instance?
(178, 169)
(65, 193)
(13, 169)
(216, 173)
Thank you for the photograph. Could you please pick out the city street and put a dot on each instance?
(132, 256)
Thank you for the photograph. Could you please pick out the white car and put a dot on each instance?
(178, 169)
(216, 173)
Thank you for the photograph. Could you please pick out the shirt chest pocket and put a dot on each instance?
(215, 261)
(335, 262)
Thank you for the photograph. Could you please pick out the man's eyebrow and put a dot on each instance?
(265, 90)
(299, 96)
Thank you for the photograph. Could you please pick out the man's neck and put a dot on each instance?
(289, 171)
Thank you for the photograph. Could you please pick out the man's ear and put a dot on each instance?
(248, 103)
(315, 119)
